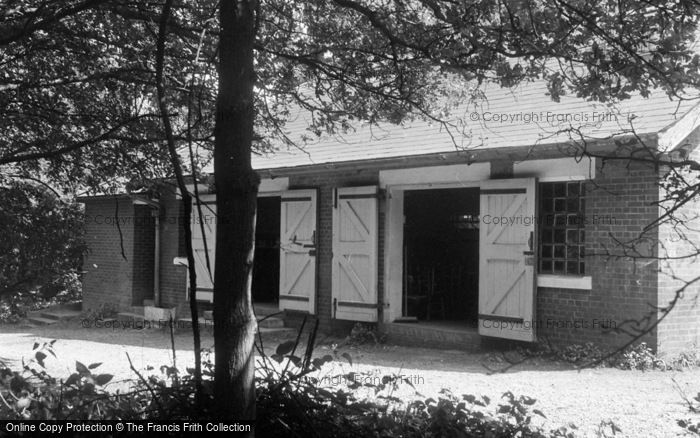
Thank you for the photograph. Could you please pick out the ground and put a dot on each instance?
(640, 403)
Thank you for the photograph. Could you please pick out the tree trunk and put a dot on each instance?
(236, 198)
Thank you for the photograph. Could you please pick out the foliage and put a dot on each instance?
(78, 80)
(293, 395)
(636, 357)
(43, 245)
(362, 334)
(32, 394)
(690, 425)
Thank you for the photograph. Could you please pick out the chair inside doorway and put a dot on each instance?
(441, 241)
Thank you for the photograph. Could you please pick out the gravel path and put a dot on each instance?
(642, 404)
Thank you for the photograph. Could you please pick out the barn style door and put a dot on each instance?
(298, 250)
(205, 276)
(507, 259)
(355, 254)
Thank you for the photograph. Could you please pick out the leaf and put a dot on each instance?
(92, 366)
(72, 379)
(36, 345)
(347, 357)
(39, 356)
(285, 347)
(295, 360)
(82, 369)
(88, 388)
(538, 412)
(103, 379)
(529, 400)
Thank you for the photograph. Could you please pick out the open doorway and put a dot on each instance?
(441, 255)
(266, 266)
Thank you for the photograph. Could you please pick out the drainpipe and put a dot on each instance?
(156, 258)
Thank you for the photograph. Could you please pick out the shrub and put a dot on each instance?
(637, 357)
(42, 246)
(291, 400)
(362, 334)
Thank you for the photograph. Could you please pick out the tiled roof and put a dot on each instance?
(531, 119)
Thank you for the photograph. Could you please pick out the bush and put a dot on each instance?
(291, 400)
(362, 334)
(637, 357)
(42, 246)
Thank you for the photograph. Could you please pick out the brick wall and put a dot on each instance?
(173, 278)
(623, 288)
(109, 275)
(679, 244)
(325, 183)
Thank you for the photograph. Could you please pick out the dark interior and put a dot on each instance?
(441, 255)
(266, 267)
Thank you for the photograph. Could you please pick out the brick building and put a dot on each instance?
(537, 222)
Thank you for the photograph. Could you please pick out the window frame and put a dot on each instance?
(563, 279)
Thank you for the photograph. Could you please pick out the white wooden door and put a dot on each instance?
(298, 250)
(355, 254)
(507, 259)
(205, 273)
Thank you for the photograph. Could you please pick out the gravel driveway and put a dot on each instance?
(640, 403)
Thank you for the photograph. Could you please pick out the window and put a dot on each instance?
(562, 228)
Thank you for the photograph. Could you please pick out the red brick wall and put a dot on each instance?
(173, 278)
(624, 288)
(679, 245)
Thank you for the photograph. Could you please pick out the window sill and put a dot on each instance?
(565, 282)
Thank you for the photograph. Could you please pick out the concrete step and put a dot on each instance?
(40, 320)
(262, 310)
(130, 316)
(186, 323)
(59, 314)
(271, 322)
(264, 330)
(78, 306)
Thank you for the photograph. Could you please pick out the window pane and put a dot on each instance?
(559, 236)
(559, 251)
(572, 189)
(547, 235)
(546, 191)
(559, 189)
(547, 251)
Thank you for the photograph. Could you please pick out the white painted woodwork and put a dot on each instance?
(556, 169)
(436, 176)
(298, 250)
(507, 259)
(355, 244)
(203, 244)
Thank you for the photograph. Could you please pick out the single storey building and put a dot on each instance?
(530, 220)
